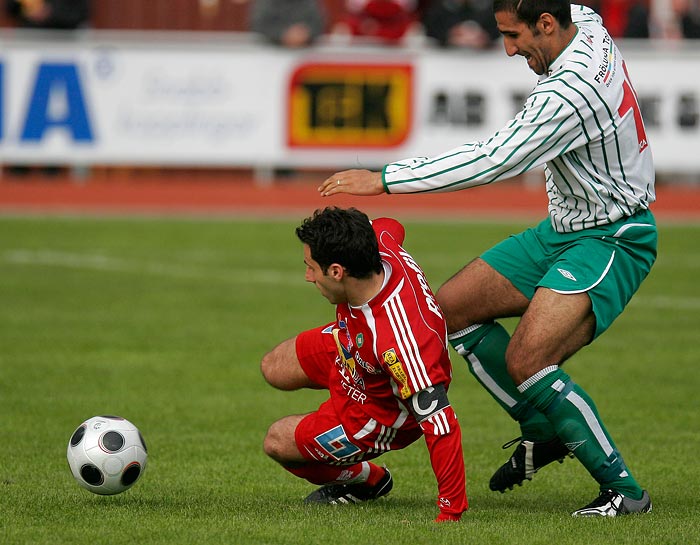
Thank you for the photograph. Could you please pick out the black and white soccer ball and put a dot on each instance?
(107, 454)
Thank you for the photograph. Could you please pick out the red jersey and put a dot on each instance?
(390, 348)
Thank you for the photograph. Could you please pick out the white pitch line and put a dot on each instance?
(97, 262)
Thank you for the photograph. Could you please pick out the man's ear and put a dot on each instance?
(336, 271)
(547, 23)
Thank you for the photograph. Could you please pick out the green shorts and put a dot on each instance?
(608, 262)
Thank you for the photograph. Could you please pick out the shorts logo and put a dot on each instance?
(567, 274)
(336, 443)
(397, 371)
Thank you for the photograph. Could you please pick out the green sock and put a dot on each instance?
(577, 422)
(483, 347)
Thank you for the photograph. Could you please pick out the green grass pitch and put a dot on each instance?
(164, 322)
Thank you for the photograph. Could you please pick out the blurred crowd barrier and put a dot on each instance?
(227, 99)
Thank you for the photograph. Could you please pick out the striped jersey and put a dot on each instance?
(581, 121)
(395, 344)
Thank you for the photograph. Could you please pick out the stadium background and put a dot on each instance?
(151, 289)
(286, 180)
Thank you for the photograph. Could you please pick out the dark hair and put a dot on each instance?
(343, 236)
(529, 11)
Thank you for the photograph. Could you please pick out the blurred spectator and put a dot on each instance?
(58, 14)
(623, 18)
(461, 23)
(290, 23)
(687, 13)
(388, 21)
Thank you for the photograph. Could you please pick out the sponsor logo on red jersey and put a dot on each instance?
(397, 371)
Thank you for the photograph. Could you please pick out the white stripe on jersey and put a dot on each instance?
(371, 323)
(581, 121)
(441, 425)
(407, 345)
(368, 428)
(311, 453)
(384, 439)
(403, 411)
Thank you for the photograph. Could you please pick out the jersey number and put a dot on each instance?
(629, 102)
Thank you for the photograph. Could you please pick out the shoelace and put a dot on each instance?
(510, 443)
(606, 496)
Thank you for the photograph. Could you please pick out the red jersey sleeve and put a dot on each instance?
(389, 227)
(443, 436)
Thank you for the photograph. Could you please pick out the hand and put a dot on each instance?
(446, 517)
(353, 182)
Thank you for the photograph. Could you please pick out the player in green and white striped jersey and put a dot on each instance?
(573, 274)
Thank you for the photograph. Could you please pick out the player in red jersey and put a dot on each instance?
(384, 361)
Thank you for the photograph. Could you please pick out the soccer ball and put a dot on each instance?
(107, 454)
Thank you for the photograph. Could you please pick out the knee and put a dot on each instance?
(272, 445)
(443, 299)
(525, 362)
(272, 369)
(281, 368)
(452, 308)
(517, 373)
(267, 368)
(518, 364)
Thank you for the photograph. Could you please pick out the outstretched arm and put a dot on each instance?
(443, 436)
(354, 182)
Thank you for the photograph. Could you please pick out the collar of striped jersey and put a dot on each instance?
(558, 63)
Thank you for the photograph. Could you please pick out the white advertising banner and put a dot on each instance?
(112, 103)
(211, 102)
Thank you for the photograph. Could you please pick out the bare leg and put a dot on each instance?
(478, 294)
(281, 368)
(280, 444)
(553, 328)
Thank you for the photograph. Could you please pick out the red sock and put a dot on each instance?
(375, 473)
(325, 474)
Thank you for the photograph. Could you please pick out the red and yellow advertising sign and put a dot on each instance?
(349, 105)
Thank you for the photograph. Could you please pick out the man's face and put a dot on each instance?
(520, 39)
(329, 286)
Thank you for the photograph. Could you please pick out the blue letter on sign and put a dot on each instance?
(50, 79)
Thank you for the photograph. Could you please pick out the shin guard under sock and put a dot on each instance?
(577, 422)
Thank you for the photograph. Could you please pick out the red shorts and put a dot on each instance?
(316, 352)
(324, 436)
